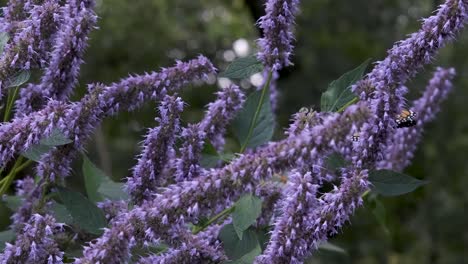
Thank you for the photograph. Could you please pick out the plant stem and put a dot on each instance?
(9, 178)
(9, 105)
(347, 104)
(215, 218)
(257, 111)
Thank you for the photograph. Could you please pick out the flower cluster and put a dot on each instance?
(169, 188)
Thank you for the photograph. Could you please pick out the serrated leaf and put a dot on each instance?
(12, 202)
(243, 68)
(61, 213)
(247, 209)
(98, 185)
(56, 138)
(19, 78)
(112, 190)
(264, 126)
(210, 156)
(391, 183)
(339, 91)
(234, 247)
(3, 41)
(6, 236)
(85, 214)
(331, 247)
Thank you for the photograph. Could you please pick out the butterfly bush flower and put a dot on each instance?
(60, 76)
(187, 200)
(29, 47)
(403, 143)
(277, 26)
(158, 150)
(307, 221)
(35, 243)
(212, 128)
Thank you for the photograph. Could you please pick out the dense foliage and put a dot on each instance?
(210, 191)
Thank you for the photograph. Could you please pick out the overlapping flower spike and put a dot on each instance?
(270, 193)
(29, 47)
(115, 246)
(212, 128)
(193, 249)
(403, 143)
(308, 221)
(113, 208)
(187, 200)
(298, 202)
(158, 151)
(24, 186)
(60, 76)
(13, 13)
(35, 243)
(21, 133)
(408, 56)
(277, 26)
(220, 113)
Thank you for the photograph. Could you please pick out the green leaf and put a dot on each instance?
(19, 78)
(13, 202)
(3, 41)
(84, 213)
(56, 138)
(380, 214)
(234, 247)
(339, 91)
(249, 257)
(210, 156)
(98, 185)
(61, 214)
(335, 161)
(247, 209)
(92, 178)
(391, 183)
(6, 236)
(331, 247)
(264, 126)
(112, 190)
(243, 68)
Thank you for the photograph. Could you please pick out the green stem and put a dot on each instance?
(347, 104)
(10, 177)
(215, 218)
(10, 102)
(257, 111)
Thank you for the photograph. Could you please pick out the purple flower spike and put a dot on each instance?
(277, 25)
(402, 144)
(35, 243)
(307, 221)
(158, 150)
(60, 76)
(30, 46)
(212, 128)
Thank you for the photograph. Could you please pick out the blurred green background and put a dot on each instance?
(426, 226)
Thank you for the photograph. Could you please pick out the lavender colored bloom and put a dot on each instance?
(188, 200)
(212, 128)
(307, 221)
(403, 143)
(113, 209)
(277, 25)
(35, 243)
(270, 193)
(60, 76)
(158, 150)
(13, 13)
(29, 47)
(194, 250)
(408, 56)
(24, 186)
